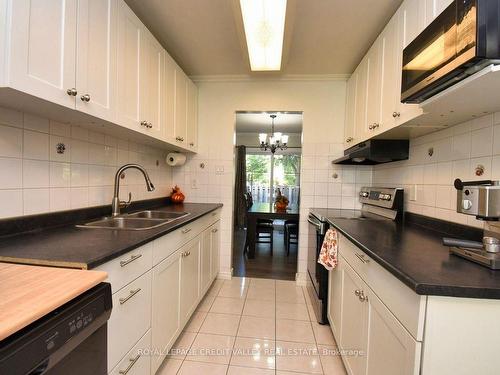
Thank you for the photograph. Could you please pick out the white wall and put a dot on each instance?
(323, 106)
(35, 179)
(458, 150)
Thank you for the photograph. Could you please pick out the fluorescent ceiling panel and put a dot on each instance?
(264, 23)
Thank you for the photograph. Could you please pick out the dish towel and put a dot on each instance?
(328, 254)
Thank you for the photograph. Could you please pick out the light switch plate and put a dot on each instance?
(412, 193)
(219, 169)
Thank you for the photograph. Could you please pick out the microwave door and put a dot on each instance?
(432, 50)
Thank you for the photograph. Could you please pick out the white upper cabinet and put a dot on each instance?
(43, 49)
(374, 86)
(192, 116)
(361, 99)
(129, 38)
(168, 112)
(350, 120)
(151, 90)
(180, 126)
(96, 58)
(433, 8)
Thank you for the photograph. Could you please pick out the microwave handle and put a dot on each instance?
(459, 184)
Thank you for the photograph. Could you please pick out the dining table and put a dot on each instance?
(266, 211)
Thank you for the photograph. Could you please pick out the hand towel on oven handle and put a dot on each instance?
(328, 254)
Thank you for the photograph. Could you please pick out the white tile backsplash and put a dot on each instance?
(458, 151)
(35, 178)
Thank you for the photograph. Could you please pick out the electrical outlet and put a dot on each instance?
(194, 183)
(219, 169)
(412, 193)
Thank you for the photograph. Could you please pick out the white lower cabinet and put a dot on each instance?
(166, 301)
(156, 288)
(130, 317)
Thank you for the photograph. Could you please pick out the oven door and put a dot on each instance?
(436, 54)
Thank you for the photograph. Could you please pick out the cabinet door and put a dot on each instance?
(390, 75)
(190, 278)
(361, 100)
(335, 299)
(215, 249)
(350, 121)
(168, 112)
(192, 115)
(374, 86)
(434, 8)
(151, 75)
(129, 62)
(43, 49)
(96, 58)
(205, 259)
(391, 349)
(166, 299)
(354, 320)
(409, 26)
(181, 82)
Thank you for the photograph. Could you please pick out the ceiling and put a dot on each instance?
(206, 37)
(260, 122)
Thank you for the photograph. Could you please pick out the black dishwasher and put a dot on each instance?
(70, 340)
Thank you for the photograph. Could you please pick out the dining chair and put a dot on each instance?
(291, 234)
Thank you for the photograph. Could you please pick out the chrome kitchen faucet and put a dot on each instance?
(116, 203)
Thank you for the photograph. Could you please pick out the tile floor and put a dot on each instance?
(253, 326)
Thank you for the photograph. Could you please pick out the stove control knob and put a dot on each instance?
(363, 194)
(466, 204)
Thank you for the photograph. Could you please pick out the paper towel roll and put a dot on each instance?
(175, 159)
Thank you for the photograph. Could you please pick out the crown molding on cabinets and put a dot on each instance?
(270, 78)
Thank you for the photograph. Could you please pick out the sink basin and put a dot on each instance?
(125, 223)
(158, 215)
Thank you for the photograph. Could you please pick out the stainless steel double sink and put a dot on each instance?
(142, 220)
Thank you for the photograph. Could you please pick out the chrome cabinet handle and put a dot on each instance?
(375, 126)
(362, 297)
(349, 140)
(362, 258)
(132, 293)
(215, 230)
(130, 365)
(123, 263)
(357, 292)
(72, 92)
(186, 254)
(144, 123)
(191, 144)
(396, 114)
(184, 231)
(150, 125)
(370, 127)
(85, 98)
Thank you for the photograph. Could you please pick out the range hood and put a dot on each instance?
(375, 151)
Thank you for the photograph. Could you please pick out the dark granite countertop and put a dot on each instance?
(70, 246)
(413, 252)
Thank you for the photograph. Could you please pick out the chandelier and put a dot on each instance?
(274, 141)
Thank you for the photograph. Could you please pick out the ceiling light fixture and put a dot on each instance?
(264, 23)
(275, 140)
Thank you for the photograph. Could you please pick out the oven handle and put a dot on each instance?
(316, 223)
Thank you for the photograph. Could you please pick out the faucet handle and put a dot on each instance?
(124, 204)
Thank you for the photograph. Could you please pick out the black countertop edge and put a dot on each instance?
(166, 229)
(30, 223)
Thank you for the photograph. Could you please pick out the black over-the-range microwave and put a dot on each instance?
(462, 40)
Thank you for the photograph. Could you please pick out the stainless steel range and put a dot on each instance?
(376, 204)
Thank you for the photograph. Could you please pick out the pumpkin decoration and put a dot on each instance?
(177, 196)
(281, 202)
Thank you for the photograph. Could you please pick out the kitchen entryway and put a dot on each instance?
(253, 326)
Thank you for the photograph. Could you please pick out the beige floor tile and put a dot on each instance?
(282, 283)
(220, 324)
(211, 348)
(312, 315)
(263, 283)
(261, 328)
(323, 334)
(225, 305)
(200, 368)
(195, 322)
(290, 294)
(233, 291)
(251, 352)
(182, 345)
(215, 288)
(294, 330)
(331, 360)
(169, 367)
(294, 311)
(235, 370)
(261, 293)
(240, 281)
(299, 357)
(205, 304)
(255, 307)
(292, 373)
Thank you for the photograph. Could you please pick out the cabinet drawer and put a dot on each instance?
(136, 361)
(128, 267)
(130, 318)
(403, 302)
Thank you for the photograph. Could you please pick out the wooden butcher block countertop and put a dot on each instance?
(28, 293)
